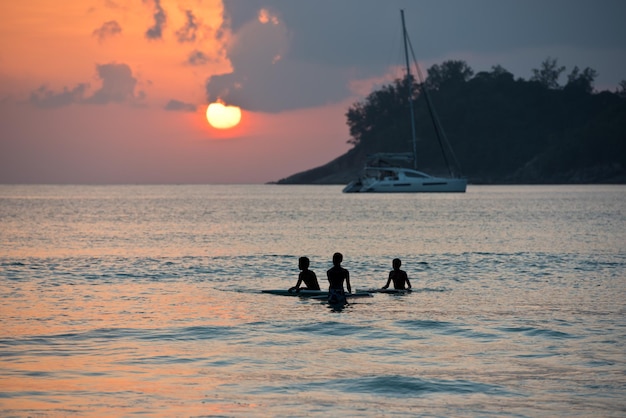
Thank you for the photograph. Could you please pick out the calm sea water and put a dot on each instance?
(145, 301)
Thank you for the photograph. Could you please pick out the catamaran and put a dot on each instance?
(386, 173)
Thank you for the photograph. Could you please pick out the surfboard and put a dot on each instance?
(301, 293)
(390, 291)
(348, 295)
(317, 294)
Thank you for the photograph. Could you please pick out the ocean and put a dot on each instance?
(146, 301)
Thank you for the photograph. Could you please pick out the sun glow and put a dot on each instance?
(221, 116)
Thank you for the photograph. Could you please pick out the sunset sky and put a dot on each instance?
(116, 91)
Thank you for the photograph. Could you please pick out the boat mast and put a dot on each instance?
(410, 89)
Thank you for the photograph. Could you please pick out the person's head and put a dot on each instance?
(396, 263)
(337, 258)
(303, 263)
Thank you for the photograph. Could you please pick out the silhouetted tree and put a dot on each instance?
(549, 73)
(582, 82)
(449, 72)
(498, 71)
(621, 90)
(379, 114)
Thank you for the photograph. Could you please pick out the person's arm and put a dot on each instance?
(296, 288)
(314, 276)
(408, 283)
(348, 282)
(388, 280)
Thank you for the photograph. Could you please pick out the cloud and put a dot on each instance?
(107, 30)
(45, 98)
(118, 86)
(160, 18)
(264, 79)
(198, 58)
(188, 32)
(178, 106)
(290, 54)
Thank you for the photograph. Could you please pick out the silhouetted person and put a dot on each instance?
(398, 276)
(307, 276)
(336, 276)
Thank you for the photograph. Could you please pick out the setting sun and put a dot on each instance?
(221, 116)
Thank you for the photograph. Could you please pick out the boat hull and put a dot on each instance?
(431, 185)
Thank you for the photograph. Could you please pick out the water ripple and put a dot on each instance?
(394, 386)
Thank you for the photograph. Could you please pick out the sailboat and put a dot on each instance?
(388, 172)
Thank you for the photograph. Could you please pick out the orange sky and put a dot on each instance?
(84, 91)
(60, 45)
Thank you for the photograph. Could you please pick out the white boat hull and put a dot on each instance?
(404, 180)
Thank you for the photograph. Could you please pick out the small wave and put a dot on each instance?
(423, 324)
(432, 289)
(109, 334)
(163, 360)
(395, 386)
(538, 332)
(12, 264)
(330, 328)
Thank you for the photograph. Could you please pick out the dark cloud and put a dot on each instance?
(324, 45)
(178, 106)
(188, 32)
(277, 88)
(45, 98)
(264, 79)
(336, 33)
(107, 30)
(198, 58)
(118, 86)
(160, 18)
(346, 32)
